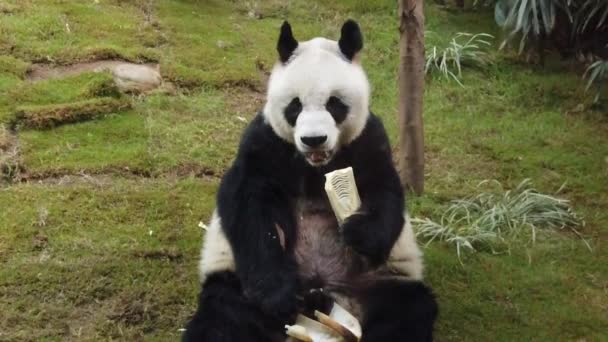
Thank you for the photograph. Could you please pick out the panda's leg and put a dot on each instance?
(398, 310)
(224, 315)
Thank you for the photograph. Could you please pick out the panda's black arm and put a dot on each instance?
(374, 232)
(251, 203)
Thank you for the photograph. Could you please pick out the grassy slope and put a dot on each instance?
(114, 256)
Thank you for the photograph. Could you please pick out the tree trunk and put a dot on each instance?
(411, 92)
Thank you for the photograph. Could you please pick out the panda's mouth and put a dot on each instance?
(318, 157)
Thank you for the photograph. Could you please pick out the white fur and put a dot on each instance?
(216, 255)
(316, 123)
(317, 70)
(406, 257)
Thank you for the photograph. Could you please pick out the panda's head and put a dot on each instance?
(318, 93)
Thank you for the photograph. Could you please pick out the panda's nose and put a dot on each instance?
(314, 141)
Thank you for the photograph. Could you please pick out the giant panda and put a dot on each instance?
(274, 248)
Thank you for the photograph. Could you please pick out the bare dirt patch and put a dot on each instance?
(163, 254)
(245, 102)
(133, 309)
(128, 77)
(81, 178)
(106, 176)
(193, 170)
(40, 72)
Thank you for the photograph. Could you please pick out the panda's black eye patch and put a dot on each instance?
(337, 109)
(292, 111)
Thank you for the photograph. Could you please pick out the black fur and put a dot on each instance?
(374, 232)
(316, 300)
(351, 39)
(259, 191)
(337, 109)
(255, 195)
(398, 311)
(287, 43)
(225, 315)
(292, 111)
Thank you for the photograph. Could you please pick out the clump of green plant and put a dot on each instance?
(596, 74)
(9, 154)
(5, 139)
(488, 218)
(572, 25)
(528, 18)
(14, 66)
(590, 15)
(465, 49)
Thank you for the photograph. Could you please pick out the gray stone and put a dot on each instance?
(134, 78)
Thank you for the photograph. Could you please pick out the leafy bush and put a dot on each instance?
(590, 14)
(538, 20)
(528, 18)
(596, 73)
(450, 60)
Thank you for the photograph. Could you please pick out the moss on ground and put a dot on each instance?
(100, 240)
(90, 93)
(50, 116)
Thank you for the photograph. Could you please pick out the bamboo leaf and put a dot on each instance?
(603, 17)
(535, 22)
(523, 9)
(547, 18)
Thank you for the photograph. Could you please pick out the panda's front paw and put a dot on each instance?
(275, 294)
(316, 300)
(361, 232)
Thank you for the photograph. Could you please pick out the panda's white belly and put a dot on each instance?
(323, 258)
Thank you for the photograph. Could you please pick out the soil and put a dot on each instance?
(40, 72)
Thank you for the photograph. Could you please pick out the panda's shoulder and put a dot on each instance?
(374, 126)
(258, 136)
(256, 131)
(373, 135)
(259, 141)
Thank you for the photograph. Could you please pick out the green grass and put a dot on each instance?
(99, 259)
(100, 240)
(195, 131)
(64, 32)
(59, 92)
(13, 66)
(117, 142)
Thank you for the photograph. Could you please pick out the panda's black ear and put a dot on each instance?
(351, 39)
(287, 43)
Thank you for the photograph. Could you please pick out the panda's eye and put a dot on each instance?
(337, 109)
(292, 111)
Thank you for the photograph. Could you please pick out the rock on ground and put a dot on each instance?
(136, 78)
(129, 77)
